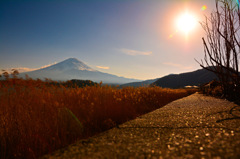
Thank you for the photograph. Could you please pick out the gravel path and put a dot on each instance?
(193, 127)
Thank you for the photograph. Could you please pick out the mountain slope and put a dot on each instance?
(196, 78)
(72, 68)
(69, 64)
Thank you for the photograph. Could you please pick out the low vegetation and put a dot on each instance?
(39, 117)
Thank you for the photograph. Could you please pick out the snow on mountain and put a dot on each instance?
(72, 68)
(69, 64)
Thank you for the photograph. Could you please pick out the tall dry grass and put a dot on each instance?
(37, 117)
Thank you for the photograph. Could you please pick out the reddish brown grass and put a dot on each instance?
(37, 117)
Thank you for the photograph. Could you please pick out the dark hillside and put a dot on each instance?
(194, 78)
(139, 84)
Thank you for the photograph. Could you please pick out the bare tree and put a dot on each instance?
(222, 46)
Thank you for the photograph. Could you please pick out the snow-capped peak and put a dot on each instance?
(70, 64)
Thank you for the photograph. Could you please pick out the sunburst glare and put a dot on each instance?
(186, 22)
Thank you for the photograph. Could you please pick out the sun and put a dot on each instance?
(186, 22)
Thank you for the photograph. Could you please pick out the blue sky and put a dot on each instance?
(130, 38)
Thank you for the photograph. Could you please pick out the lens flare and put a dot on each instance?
(204, 7)
(170, 36)
(237, 2)
(173, 34)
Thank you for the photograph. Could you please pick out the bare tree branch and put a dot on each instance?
(222, 45)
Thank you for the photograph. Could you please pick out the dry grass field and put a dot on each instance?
(38, 117)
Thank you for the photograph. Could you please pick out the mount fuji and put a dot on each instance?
(72, 68)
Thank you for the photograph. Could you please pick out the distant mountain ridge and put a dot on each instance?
(145, 83)
(72, 68)
(195, 78)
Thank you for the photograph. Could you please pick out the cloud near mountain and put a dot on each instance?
(20, 69)
(26, 69)
(47, 65)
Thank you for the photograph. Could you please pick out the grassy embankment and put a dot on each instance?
(37, 117)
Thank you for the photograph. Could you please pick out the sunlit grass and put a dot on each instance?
(39, 117)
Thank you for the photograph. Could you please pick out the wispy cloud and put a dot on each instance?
(48, 65)
(177, 65)
(19, 69)
(103, 67)
(135, 52)
(25, 69)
